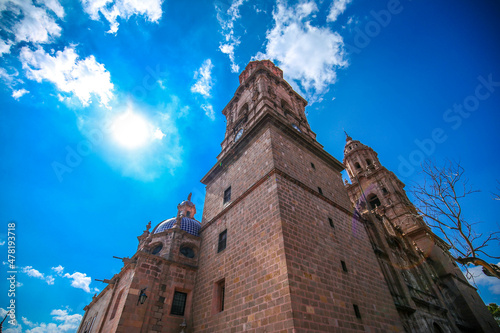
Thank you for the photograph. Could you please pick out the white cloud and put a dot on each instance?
(7, 77)
(54, 6)
(4, 47)
(209, 111)
(80, 280)
(83, 78)
(111, 10)
(32, 23)
(482, 280)
(337, 8)
(27, 322)
(158, 134)
(226, 20)
(59, 269)
(308, 55)
(18, 94)
(2, 243)
(63, 322)
(30, 271)
(203, 78)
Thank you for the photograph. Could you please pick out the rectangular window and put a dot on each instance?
(222, 241)
(344, 267)
(331, 223)
(356, 311)
(222, 293)
(320, 190)
(227, 195)
(178, 303)
(312, 166)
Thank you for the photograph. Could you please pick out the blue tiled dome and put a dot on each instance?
(189, 225)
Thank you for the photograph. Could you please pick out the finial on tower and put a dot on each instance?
(189, 196)
(347, 137)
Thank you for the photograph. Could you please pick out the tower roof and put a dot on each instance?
(253, 65)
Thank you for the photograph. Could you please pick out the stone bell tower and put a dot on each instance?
(378, 194)
(281, 249)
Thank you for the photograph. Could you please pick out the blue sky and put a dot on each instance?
(76, 75)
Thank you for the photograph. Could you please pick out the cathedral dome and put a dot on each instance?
(189, 225)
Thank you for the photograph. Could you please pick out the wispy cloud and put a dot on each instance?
(18, 94)
(70, 74)
(309, 55)
(203, 77)
(79, 280)
(209, 111)
(482, 280)
(29, 22)
(4, 47)
(30, 271)
(59, 269)
(226, 20)
(111, 10)
(62, 322)
(2, 243)
(337, 8)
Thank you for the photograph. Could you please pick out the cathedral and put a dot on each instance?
(284, 245)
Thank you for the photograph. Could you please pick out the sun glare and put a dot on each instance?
(130, 130)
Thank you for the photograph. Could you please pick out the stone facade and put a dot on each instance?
(284, 245)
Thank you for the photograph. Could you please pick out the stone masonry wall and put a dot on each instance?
(323, 294)
(255, 162)
(253, 266)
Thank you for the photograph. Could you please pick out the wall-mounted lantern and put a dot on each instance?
(142, 296)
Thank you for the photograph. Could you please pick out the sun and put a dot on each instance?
(130, 130)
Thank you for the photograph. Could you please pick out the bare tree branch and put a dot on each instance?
(439, 202)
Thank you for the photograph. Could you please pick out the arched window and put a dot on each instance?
(374, 201)
(357, 165)
(368, 161)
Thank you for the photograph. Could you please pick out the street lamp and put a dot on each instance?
(142, 296)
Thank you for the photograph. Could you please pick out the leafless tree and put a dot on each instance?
(439, 200)
(496, 196)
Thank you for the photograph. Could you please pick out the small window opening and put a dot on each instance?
(331, 223)
(178, 303)
(344, 267)
(356, 311)
(163, 287)
(384, 191)
(157, 249)
(312, 166)
(188, 214)
(227, 195)
(222, 241)
(161, 299)
(320, 190)
(374, 202)
(368, 162)
(220, 295)
(357, 165)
